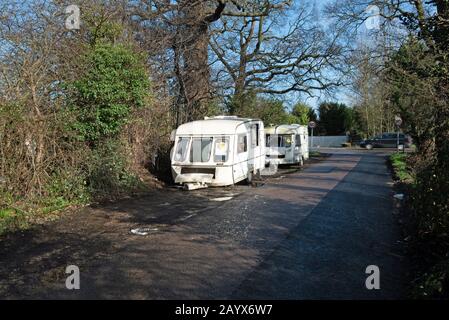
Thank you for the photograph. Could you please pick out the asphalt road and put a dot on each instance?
(306, 235)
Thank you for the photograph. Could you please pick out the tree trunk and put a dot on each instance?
(196, 73)
(194, 42)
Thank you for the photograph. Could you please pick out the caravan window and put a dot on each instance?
(255, 136)
(269, 141)
(200, 150)
(279, 141)
(221, 149)
(242, 143)
(287, 141)
(298, 140)
(181, 149)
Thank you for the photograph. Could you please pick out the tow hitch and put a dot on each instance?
(195, 186)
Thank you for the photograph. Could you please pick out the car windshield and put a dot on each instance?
(201, 149)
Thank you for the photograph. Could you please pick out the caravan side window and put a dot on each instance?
(242, 143)
(200, 150)
(298, 140)
(181, 149)
(255, 136)
(221, 149)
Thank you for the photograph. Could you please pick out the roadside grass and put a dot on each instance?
(21, 213)
(400, 168)
(12, 219)
(21, 216)
(315, 154)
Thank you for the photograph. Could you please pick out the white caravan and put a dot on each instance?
(219, 151)
(287, 144)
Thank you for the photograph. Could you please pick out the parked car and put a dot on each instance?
(287, 144)
(218, 151)
(386, 140)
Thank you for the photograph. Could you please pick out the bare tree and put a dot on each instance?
(183, 29)
(369, 89)
(283, 50)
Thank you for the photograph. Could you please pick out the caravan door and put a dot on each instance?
(241, 157)
(255, 148)
(298, 149)
(289, 147)
(305, 144)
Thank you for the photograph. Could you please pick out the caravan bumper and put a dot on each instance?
(208, 176)
(194, 178)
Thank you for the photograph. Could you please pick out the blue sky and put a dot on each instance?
(339, 94)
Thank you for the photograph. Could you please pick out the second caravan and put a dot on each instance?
(287, 144)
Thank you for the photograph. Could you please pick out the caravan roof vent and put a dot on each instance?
(222, 118)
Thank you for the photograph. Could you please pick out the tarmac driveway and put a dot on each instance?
(306, 235)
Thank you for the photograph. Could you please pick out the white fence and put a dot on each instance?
(327, 141)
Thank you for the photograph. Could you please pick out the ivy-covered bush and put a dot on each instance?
(114, 83)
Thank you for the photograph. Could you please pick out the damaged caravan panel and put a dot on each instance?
(219, 151)
(287, 144)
